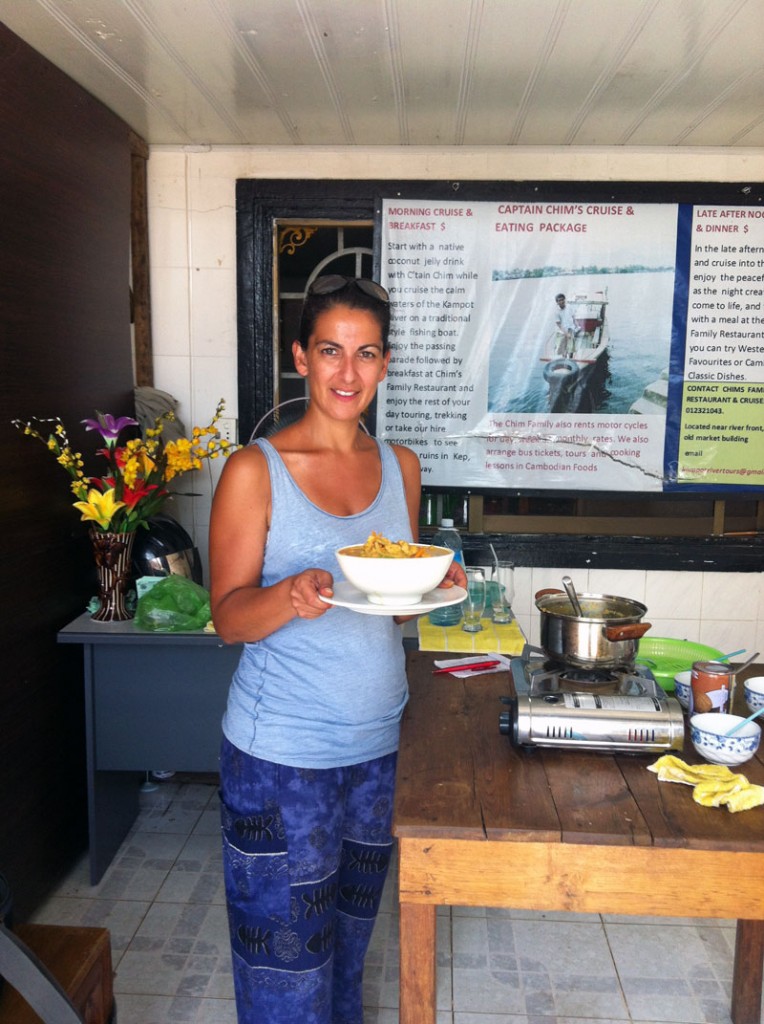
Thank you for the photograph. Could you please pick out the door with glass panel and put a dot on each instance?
(305, 251)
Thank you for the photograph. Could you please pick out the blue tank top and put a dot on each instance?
(326, 692)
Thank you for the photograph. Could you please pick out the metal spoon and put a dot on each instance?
(570, 590)
(746, 663)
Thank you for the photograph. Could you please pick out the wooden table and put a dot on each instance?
(480, 823)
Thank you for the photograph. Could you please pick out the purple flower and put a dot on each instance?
(108, 426)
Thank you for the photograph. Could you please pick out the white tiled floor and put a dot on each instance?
(162, 900)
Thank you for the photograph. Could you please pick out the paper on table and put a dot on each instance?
(455, 662)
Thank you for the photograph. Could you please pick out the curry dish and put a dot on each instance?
(377, 546)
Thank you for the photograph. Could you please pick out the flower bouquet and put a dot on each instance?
(132, 488)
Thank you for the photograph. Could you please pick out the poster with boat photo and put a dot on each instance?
(545, 345)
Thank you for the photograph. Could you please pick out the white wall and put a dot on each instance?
(192, 224)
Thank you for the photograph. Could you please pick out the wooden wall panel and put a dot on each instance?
(65, 348)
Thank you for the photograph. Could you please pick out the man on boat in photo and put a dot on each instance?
(566, 327)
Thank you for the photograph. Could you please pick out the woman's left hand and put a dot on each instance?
(455, 577)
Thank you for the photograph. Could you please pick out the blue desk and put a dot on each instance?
(152, 700)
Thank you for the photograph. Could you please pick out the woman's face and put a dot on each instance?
(343, 362)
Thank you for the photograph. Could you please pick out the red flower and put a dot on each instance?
(130, 495)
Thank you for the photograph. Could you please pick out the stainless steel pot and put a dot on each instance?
(604, 636)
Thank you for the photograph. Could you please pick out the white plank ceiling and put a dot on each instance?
(414, 72)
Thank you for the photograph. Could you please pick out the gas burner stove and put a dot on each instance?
(618, 709)
(533, 673)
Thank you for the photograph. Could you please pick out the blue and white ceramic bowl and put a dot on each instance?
(754, 692)
(707, 735)
(682, 688)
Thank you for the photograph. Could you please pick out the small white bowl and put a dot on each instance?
(682, 688)
(707, 735)
(397, 582)
(753, 689)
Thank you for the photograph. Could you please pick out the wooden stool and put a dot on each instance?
(79, 959)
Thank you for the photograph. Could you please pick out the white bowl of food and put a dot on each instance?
(753, 689)
(394, 573)
(682, 688)
(707, 735)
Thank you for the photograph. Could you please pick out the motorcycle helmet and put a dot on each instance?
(166, 549)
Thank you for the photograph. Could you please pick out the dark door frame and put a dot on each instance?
(259, 204)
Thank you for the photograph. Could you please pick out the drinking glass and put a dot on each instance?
(474, 604)
(502, 591)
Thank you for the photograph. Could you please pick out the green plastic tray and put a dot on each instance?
(665, 657)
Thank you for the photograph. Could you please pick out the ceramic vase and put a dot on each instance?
(113, 557)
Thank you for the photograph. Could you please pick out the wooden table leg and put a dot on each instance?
(417, 935)
(747, 976)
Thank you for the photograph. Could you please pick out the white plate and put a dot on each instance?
(346, 596)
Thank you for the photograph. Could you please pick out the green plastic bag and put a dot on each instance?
(173, 605)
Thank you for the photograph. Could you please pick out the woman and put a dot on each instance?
(312, 722)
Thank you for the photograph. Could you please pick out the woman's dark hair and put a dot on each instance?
(354, 293)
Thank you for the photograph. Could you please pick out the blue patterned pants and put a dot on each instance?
(305, 854)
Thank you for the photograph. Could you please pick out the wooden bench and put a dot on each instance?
(79, 959)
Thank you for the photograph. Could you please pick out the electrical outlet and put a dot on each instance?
(227, 427)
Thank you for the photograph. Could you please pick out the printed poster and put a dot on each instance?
(558, 345)
(721, 438)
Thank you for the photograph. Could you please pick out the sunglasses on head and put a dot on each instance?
(336, 282)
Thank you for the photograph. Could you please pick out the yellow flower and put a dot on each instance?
(99, 507)
(130, 471)
(138, 465)
(71, 461)
(180, 457)
(137, 471)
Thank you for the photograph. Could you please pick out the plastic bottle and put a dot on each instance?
(447, 536)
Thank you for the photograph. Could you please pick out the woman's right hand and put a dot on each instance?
(304, 591)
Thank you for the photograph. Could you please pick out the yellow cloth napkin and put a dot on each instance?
(504, 638)
(714, 785)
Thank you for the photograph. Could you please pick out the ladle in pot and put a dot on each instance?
(570, 590)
